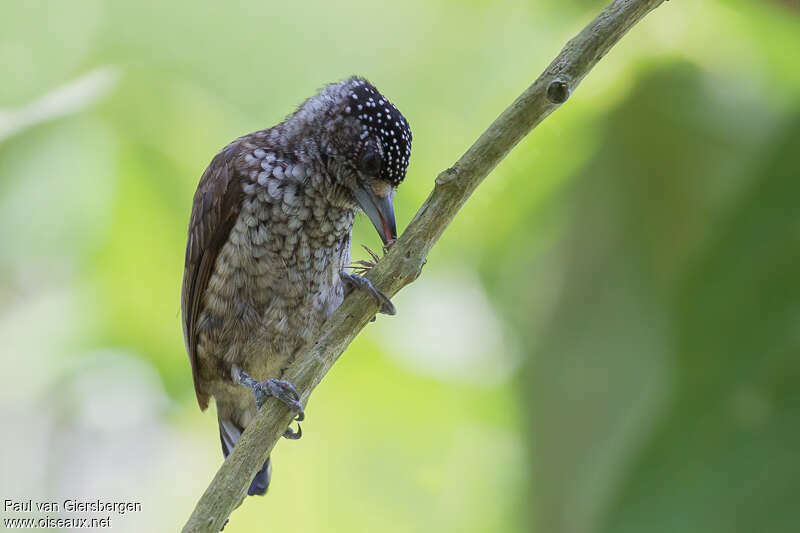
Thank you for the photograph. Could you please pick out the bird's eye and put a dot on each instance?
(370, 163)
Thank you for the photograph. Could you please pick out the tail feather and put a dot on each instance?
(260, 483)
(229, 434)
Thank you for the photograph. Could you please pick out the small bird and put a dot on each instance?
(269, 244)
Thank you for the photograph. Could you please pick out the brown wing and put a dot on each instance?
(216, 206)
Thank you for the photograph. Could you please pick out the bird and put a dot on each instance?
(269, 245)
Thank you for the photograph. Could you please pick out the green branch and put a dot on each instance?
(403, 263)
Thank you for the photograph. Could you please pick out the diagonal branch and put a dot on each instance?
(403, 263)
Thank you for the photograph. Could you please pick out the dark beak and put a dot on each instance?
(380, 211)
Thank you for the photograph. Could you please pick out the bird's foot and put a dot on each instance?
(362, 266)
(354, 281)
(280, 389)
(357, 280)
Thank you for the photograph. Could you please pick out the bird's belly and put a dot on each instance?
(267, 297)
(259, 327)
(264, 350)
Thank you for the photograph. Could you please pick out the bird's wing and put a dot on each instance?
(215, 209)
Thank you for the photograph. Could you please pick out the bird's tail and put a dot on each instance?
(229, 433)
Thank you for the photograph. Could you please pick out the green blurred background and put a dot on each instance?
(606, 340)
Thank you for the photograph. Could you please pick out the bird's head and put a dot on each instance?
(365, 144)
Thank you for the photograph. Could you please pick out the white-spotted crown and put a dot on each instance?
(379, 117)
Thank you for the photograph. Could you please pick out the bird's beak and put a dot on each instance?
(379, 209)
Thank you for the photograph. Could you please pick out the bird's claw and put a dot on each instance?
(282, 390)
(362, 266)
(385, 305)
(293, 435)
